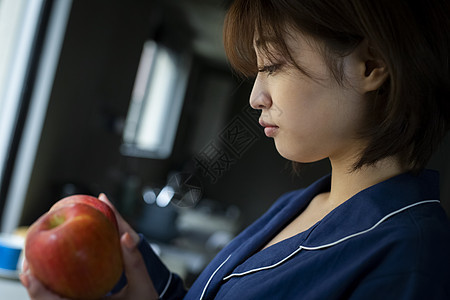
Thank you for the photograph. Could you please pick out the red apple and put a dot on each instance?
(74, 250)
(89, 200)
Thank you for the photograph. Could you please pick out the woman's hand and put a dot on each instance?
(124, 227)
(36, 290)
(139, 284)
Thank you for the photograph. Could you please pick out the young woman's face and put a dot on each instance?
(309, 118)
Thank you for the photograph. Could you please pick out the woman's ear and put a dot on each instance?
(375, 69)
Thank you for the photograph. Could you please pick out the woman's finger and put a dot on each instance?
(123, 225)
(36, 290)
(105, 199)
(24, 265)
(139, 284)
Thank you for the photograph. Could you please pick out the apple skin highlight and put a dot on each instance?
(74, 250)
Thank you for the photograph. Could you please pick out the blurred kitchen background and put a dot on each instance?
(135, 99)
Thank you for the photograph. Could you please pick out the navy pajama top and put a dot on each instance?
(390, 241)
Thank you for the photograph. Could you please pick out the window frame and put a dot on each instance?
(46, 25)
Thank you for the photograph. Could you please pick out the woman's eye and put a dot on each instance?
(269, 69)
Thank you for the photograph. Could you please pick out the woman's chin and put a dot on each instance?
(302, 157)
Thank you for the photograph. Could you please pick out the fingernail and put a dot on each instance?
(101, 195)
(24, 266)
(127, 240)
(24, 279)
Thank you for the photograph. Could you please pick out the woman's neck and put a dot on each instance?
(346, 183)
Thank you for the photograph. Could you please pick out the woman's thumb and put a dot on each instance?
(140, 285)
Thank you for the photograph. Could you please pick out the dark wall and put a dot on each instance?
(440, 161)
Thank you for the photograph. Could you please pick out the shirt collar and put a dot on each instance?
(353, 217)
(366, 208)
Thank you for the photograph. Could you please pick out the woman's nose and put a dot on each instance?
(260, 98)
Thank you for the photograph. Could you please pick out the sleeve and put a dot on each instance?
(402, 286)
(168, 285)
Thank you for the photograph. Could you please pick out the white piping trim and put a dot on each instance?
(264, 268)
(330, 244)
(210, 278)
(166, 287)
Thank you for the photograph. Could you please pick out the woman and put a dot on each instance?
(365, 84)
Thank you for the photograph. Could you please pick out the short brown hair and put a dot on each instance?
(410, 114)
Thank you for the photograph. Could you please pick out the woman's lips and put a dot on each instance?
(269, 129)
